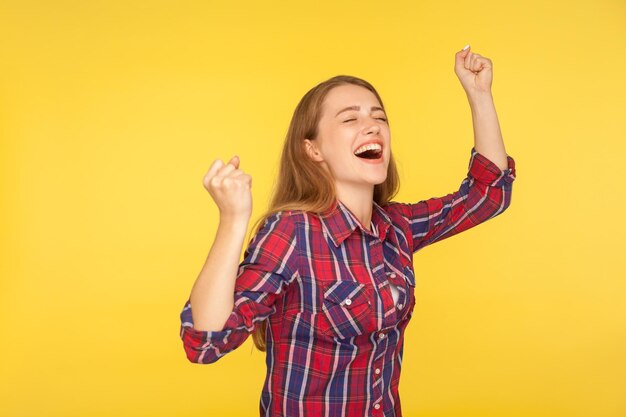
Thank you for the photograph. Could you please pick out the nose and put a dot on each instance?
(372, 128)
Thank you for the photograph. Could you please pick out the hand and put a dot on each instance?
(474, 71)
(230, 188)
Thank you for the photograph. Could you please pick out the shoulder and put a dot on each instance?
(283, 224)
(292, 218)
(275, 233)
(398, 212)
(283, 218)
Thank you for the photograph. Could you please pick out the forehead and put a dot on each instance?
(348, 95)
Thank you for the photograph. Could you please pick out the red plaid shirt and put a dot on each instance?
(335, 335)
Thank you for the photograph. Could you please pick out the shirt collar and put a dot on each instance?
(340, 222)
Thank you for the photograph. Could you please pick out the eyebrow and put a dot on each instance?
(374, 108)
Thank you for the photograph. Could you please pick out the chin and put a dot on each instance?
(377, 181)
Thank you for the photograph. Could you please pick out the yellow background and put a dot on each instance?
(112, 111)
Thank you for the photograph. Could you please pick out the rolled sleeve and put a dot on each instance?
(487, 172)
(269, 265)
(483, 194)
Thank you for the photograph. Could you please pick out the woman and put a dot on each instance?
(327, 282)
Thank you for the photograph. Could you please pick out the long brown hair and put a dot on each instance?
(303, 184)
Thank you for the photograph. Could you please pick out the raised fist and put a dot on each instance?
(230, 188)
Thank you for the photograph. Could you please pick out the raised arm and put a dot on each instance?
(270, 264)
(229, 299)
(212, 295)
(475, 72)
(483, 194)
(486, 191)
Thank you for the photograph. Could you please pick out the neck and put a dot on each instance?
(359, 201)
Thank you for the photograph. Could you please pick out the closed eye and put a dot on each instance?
(378, 118)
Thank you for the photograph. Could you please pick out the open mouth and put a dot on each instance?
(370, 151)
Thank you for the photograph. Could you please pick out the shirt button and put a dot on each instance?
(377, 406)
(400, 306)
(392, 275)
(348, 302)
(377, 371)
(381, 335)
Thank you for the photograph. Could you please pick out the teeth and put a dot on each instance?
(370, 147)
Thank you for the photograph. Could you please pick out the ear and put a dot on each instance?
(312, 151)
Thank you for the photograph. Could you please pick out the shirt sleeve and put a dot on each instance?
(269, 265)
(484, 193)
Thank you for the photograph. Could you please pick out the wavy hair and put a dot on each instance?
(304, 184)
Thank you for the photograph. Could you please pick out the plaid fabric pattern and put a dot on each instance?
(335, 335)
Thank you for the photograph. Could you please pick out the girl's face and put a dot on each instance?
(353, 140)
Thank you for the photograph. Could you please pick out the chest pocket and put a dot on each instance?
(347, 309)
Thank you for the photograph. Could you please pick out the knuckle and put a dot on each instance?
(215, 181)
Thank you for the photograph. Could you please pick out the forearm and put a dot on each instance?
(487, 135)
(212, 295)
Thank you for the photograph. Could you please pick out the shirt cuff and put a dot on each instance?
(204, 338)
(487, 172)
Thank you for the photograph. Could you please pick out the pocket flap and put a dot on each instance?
(346, 293)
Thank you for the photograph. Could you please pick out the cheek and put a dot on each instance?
(339, 160)
(338, 147)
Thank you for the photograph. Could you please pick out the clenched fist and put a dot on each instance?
(230, 188)
(474, 71)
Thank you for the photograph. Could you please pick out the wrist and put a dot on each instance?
(234, 221)
(480, 98)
